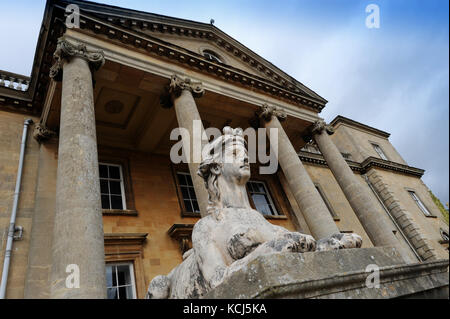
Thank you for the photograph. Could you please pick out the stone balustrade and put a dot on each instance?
(14, 81)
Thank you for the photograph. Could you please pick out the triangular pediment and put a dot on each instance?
(187, 40)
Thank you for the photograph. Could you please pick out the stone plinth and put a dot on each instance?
(335, 274)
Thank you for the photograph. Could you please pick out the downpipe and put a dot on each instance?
(12, 224)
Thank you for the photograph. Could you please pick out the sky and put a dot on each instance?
(394, 78)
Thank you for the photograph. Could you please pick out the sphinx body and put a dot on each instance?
(232, 233)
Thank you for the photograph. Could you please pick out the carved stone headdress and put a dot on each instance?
(213, 152)
(213, 160)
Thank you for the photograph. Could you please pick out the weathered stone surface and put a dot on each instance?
(232, 234)
(182, 93)
(332, 274)
(78, 227)
(372, 219)
(316, 214)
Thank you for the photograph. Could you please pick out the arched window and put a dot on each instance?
(210, 55)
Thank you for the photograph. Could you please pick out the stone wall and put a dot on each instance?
(11, 127)
(423, 231)
(358, 143)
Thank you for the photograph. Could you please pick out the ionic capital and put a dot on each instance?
(267, 111)
(41, 133)
(177, 85)
(66, 50)
(321, 125)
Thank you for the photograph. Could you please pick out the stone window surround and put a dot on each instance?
(128, 248)
(374, 146)
(327, 202)
(408, 189)
(107, 158)
(214, 50)
(268, 193)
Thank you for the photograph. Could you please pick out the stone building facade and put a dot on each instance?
(98, 186)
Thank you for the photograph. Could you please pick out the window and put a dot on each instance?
(210, 55)
(111, 186)
(419, 203)
(188, 192)
(379, 151)
(261, 198)
(120, 281)
(327, 203)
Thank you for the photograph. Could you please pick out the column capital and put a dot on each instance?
(320, 125)
(41, 133)
(266, 112)
(66, 50)
(178, 84)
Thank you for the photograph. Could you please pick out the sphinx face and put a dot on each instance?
(235, 163)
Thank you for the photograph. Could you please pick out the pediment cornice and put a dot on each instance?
(140, 29)
(126, 27)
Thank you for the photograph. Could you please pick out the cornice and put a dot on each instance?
(341, 119)
(363, 167)
(318, 159)
(149, 22)
(391, 166)
(125, 238)
(53, 28)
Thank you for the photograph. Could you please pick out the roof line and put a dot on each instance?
(342, 119)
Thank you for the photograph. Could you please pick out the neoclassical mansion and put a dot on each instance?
(85, 173)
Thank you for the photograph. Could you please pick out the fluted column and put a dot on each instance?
(315, 212)
(182, 93)
(373, 220)
(78, 243)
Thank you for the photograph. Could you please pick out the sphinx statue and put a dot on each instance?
(232, 233)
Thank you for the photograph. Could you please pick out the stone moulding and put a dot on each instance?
(392, 166)
(125, 238)
(41, 133)
(152, 45)
(266, 112)
(334, 274)
(182, 233)
(365, 165)
(66, 50)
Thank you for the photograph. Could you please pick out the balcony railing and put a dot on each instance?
(14, 81)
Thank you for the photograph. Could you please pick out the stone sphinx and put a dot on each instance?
(232, 233)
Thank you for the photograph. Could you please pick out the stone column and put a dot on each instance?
(314, 210)
(372, 219)
(182, 93)
(78, 244)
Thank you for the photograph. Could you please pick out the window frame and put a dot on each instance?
(187, 186)
(132, 276)
(122, 186)
(419, 202)
(381, 152)
(269, 195)
(182, 168)
(327, 202)
(216, 57)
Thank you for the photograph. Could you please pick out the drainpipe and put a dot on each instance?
(12, 224)
(392, 218)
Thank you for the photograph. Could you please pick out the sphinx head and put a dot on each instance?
(225, 163)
